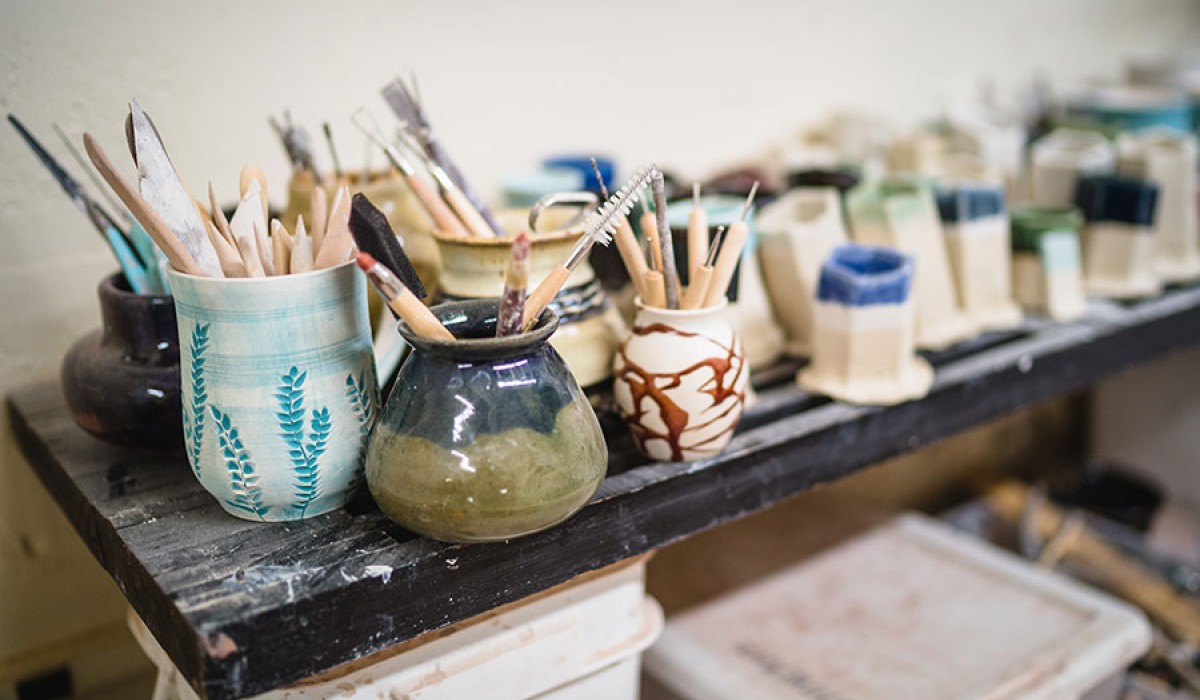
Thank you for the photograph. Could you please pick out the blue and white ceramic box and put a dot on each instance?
(1119, 243)
(863, 348)
(279, 389)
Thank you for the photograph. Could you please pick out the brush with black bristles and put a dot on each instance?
(598, 227)
(373, 235)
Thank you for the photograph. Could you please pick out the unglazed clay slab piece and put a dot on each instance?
(797, 232)
(680, 382)
(1119, 247)
(1169, 159)
(1060, 158)
(1047, 262)
(900, 213)
(863, 349)
(975, 220)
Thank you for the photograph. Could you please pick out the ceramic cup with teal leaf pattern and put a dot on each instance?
(279, 389)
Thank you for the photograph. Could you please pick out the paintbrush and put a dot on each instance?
(462, 206)
(402, 301)
(441, 213)
(374, 235)
(409, 110)
(598, 227)
(141, 210)
(333, 155)
(701, 275)
(512, 301)
(160, 185)
(731, 253)
(338, 243)
(666, 242)
(627, 244)
(132, 267)
(697, 233)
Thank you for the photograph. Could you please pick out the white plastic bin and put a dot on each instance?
(909, 611)
(580, 641)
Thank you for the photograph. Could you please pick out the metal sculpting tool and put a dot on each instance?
(462, 206)
(408, 108)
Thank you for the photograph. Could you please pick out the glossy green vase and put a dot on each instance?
(484, 438)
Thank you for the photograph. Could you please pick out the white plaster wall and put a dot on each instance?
(690, 84)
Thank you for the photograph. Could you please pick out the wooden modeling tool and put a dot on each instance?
(338, 243)
(161, 187)
(374, 235)
(402, 301)
(627, 244)
(320, 216)
(598, 227)
(253, 173)
(697, 233)
(516, 279)
(218, 216)
(656, 293)
(441, 213)
(302, 260)
(650, 231)
(462, 206)
(176, 252)
(242, 226)
(266, 253)
(730, 255)
(407, 106)
(227, 253)
(666, 241)
(281, 244)
(333, 155)
(701, 275)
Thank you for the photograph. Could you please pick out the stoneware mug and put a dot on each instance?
(279, 389)
(975, 220)
(1120, 241)
(680, 381)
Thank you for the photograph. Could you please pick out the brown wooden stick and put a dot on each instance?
(218, 216)
(631, 255)
(697, 233)
(319, 216)
(281, 241)
(650, 230)
(656, 290)
(166, 239)
(302, 259)
(441, 213)
(727, 261)
(266, 254)
(543, 294)
(1178, 616)
(227, 255)
(697, 288)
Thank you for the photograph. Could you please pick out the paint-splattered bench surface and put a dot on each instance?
(245, 607)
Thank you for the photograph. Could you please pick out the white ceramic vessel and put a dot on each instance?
(975, 219)
(796, 233)
(1170, 160)
(1119, 243)
(680, 382)
(1047, 264)
(863, 346)
(1060, 158)
(749, 306)
(279, 389)
(900, 212)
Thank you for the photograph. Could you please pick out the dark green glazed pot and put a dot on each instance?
(484, 438)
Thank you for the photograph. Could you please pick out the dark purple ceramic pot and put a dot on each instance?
(121, 382)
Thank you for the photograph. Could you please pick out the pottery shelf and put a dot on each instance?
(242, 607)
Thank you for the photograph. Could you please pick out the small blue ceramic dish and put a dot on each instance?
(1132, 108)
(858, 275)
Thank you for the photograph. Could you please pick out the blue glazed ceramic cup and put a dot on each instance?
(279, 389)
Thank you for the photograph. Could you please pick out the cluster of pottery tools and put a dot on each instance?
(199, 240)
(140, 261)
(297, 144)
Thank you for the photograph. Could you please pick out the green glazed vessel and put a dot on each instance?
(483, 438)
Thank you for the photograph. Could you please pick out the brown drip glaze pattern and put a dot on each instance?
(680, 382)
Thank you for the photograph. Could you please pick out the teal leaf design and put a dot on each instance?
(302, 451)
(247, 495)
(363, 398)
(193, 415)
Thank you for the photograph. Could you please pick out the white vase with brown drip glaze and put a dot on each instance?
(680, 381)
